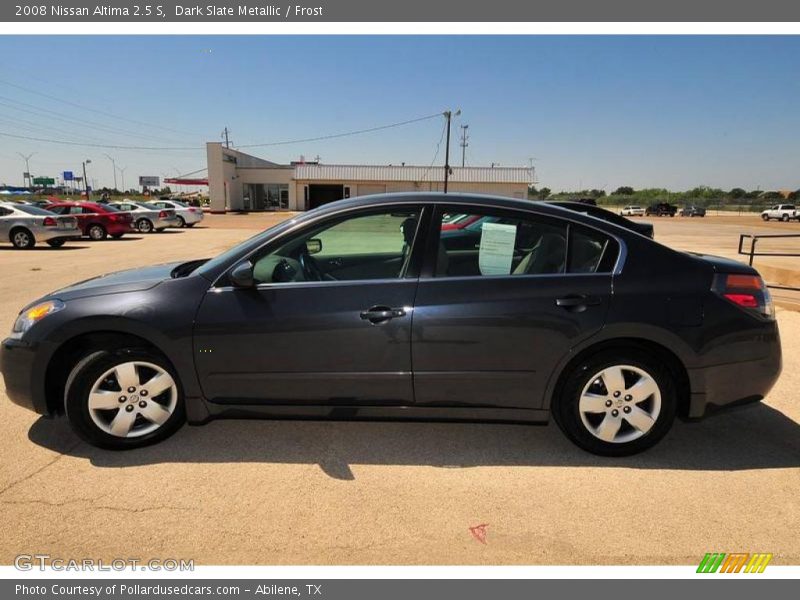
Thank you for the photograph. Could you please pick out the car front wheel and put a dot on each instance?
(181, 222)
(144, 226)
(124, 399)
(617, 403)
(97, 232)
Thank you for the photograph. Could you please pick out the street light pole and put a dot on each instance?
(27, 166)
(114, 168)
(122, 174)
(464, 144)
(86, 181)
(448, 115)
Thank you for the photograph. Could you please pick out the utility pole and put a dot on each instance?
(114, 168)
(86, 181)
(464, 144)
(448, 115)
(27, 168)
(225, 133)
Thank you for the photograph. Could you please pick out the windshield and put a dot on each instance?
(244, 247)
(33, 210)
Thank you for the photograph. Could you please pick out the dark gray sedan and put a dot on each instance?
(365, 309)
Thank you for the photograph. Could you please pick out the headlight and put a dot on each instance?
(33, 315)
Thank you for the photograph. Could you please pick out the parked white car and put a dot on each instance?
(781, 212)
(148, 217)
(632, 211)
(188, 216)
(25, 224)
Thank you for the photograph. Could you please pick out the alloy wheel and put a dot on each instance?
(145, 226)
(132, 399)
(22, 239)
(620, 404)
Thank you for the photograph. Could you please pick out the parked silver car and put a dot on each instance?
(148, 217)
(25, 224)
(188, 216)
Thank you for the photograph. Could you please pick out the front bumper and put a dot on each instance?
(23, 379)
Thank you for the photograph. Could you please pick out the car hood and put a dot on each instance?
(724, 265)
(131, 280)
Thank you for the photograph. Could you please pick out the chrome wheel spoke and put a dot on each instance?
(127, 375)
(643, 389)
(593, 403)
(613, 379)
(122, 423)
(158, 384)
(103, 400)
(155, 413)
(607, 430)
(639, 419)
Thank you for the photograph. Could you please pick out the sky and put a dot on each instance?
(588, 111)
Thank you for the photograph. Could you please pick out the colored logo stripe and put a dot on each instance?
(734, 563)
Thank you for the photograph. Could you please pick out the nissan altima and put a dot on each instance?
(365, 309)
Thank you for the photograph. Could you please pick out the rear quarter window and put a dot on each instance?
(591, 251)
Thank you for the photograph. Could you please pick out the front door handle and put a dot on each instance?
(577, 302)
(381, 314)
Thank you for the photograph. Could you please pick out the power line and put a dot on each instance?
(196, 148)
(345, 134)
(95, 110)
(436, 155)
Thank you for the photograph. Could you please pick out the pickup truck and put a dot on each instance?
(781, 212)
(662, 209)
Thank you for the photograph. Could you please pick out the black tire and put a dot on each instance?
(785, 218)
(79, 386)
(22, 238)
(144, 226)
(567, 415)
(181, 222)
(765, 217)
(55, 243)
(97, 232)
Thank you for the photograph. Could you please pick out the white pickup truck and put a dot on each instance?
(781, 212)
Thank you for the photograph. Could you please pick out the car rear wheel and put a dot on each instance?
(97, 232)
(181, 222)
(22, 238)
(765, 217)
(124, 399)
(617, 403)
(55, 243)
(144, 225)
(785, 218)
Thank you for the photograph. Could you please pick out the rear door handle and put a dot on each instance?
(577, 302)
(380, 314)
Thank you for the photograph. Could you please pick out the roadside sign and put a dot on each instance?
(68, 176)
(148, 181)
(26, 175)
(43, 181)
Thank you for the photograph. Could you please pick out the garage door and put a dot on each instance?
(367, 190)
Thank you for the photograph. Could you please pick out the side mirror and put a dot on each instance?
(241, 275)
(314, 246)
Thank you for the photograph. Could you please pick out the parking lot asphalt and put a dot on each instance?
(285, 492)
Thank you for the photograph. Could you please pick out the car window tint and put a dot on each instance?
(495, 244)
(363, 247)
(588, 250)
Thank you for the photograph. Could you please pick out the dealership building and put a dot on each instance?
(241, 182)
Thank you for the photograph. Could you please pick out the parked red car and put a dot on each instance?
(460, 222)
(96, 220)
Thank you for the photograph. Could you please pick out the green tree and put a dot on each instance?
(544, 192)
(624, 190)
(737, 193)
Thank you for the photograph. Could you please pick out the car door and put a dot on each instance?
(491, 323)
(328, 321)
(5, 224)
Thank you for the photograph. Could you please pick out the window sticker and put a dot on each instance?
(497, 248)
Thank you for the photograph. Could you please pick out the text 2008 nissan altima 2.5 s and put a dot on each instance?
(367, 309)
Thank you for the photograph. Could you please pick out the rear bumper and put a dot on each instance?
(44, 234)
(733, 384)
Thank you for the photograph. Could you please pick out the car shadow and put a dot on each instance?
(124, 238)
(754, 437)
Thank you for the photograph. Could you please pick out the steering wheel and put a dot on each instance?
(311, 269)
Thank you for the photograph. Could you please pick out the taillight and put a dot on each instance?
(162, 214)
(747, 291)
(50, 222)
(192, 210)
